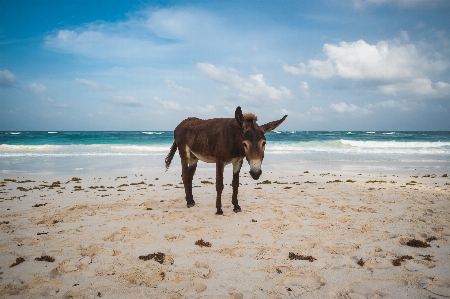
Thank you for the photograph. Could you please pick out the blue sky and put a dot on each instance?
(147, 65)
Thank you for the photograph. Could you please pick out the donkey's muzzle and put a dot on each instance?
(255, 174)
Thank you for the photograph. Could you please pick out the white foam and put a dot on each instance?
(7, 150)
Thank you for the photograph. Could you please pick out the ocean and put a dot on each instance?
(144, 151)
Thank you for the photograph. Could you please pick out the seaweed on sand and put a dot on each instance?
(398, 261)
(417, 243)
(432, 238)
(159, 257)
(19, 260)
(45, 258)
(360, 262)
(293, 256)
(202, 243)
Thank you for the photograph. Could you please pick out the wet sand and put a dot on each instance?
(301, 234)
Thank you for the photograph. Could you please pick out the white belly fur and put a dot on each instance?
(210, 159)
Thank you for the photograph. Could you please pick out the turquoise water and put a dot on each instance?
(24, 152)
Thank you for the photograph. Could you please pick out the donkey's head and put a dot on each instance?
(254, 141)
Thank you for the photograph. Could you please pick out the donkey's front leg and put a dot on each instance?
(219, 187)
(187, 179)
(234, 200)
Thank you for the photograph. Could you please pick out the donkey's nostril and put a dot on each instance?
(255, 174)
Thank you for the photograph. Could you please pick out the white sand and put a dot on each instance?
(97, 235)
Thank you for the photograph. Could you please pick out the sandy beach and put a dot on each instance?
(305, 233)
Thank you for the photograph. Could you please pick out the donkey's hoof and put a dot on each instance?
(191, 204)
(237, 209)
(219, 212)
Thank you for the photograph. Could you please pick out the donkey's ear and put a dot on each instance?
(272, 125)
(239, 117)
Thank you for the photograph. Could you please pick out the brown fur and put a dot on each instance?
(220, 141)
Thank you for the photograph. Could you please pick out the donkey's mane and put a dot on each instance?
(250, 121)
(250, 117)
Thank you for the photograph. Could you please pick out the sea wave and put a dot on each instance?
(343, 146)
(393, 144)
(7, 150)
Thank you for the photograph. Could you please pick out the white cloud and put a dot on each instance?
(125, 101)
(395, 69)
(7, 78)
(295, 70)
(171, 84)
(391, 104)
(176, 23)
(349, 108)
(100, 42)
(316, 110)
(360, 4)
(255, 88)
(285, 111)
(404, 35)
(208, 109)
(171, 105)
(304, 87)
(422, 87)
(148, 35)
(89, 83)
(37, 88)
(52, 103)
(360, 60)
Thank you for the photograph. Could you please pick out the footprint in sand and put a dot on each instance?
(149, 277)
(13, 287)
(71, 265)
(418, 265)
(306, 282)
(95, 249)
(378, 288)
(243, 251)
(203, 270)
(173, 238)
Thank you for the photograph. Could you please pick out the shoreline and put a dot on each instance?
(344, 228)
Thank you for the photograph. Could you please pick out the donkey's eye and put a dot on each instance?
(245, 145)
(263, 144)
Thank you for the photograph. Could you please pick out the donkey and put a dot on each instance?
(221, 141)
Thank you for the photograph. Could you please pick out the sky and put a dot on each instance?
(343, 65)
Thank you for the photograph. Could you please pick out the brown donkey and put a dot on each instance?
(221, 141)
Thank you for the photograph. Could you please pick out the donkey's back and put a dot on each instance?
(211, 139)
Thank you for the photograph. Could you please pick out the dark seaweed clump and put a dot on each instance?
(398, 261)
(19, 260)
(432, 238)
(159, 257)
(45, 258)
(202, 243)
(360, 262)
(427, 257)
(293, 256)
(417, 243)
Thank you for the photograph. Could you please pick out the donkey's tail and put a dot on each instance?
(173, 150)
